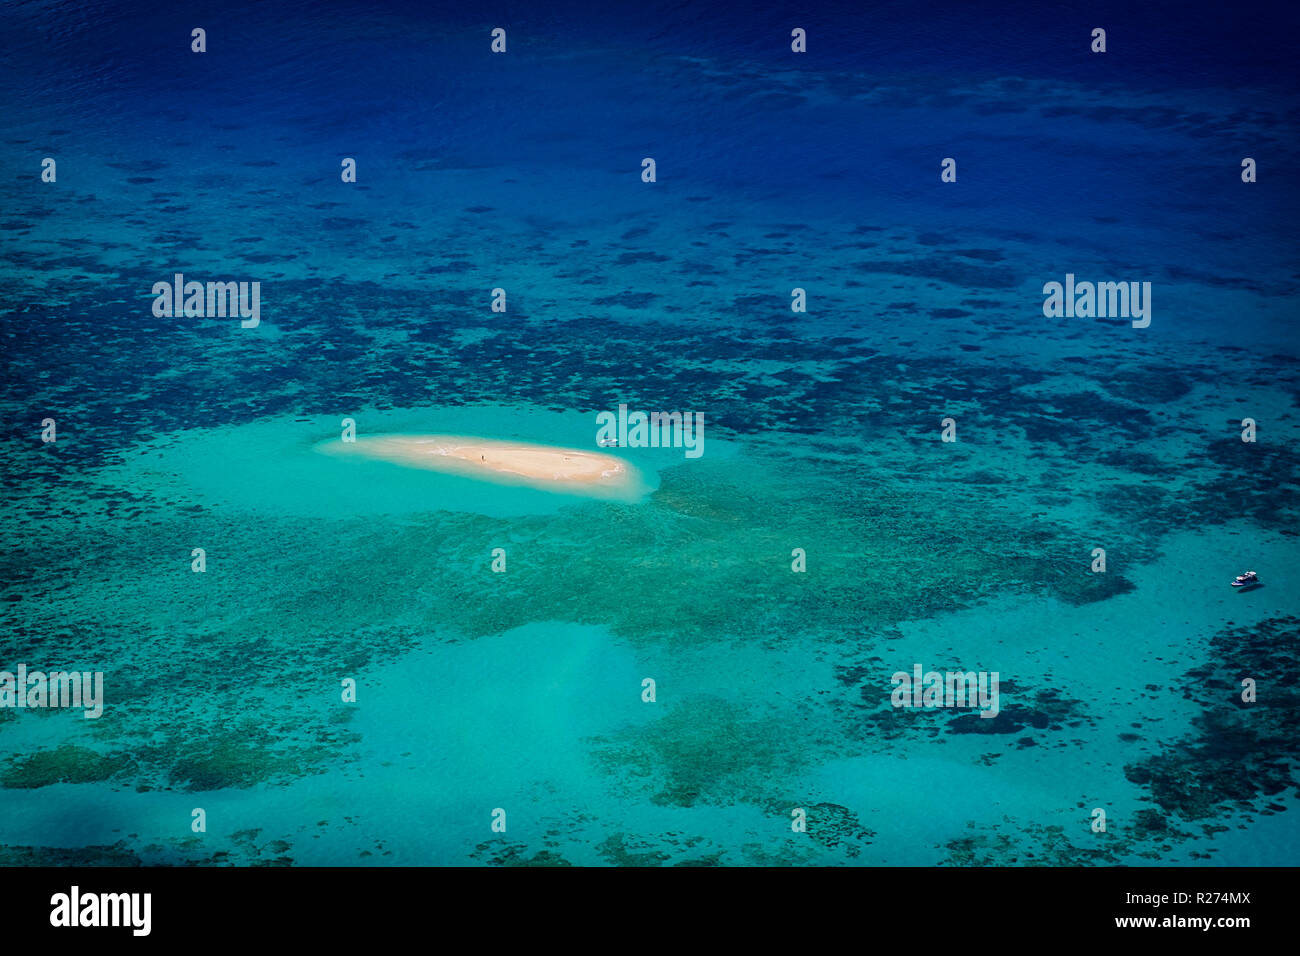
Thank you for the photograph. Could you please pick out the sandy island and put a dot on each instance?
(540, 466)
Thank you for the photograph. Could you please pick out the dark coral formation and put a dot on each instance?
(838, 828)
(1239, 754)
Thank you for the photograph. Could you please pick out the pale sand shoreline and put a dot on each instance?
(539, 465)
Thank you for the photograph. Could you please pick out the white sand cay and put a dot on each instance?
(540, 466)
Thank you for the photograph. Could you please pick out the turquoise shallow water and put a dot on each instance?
(521, 689)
